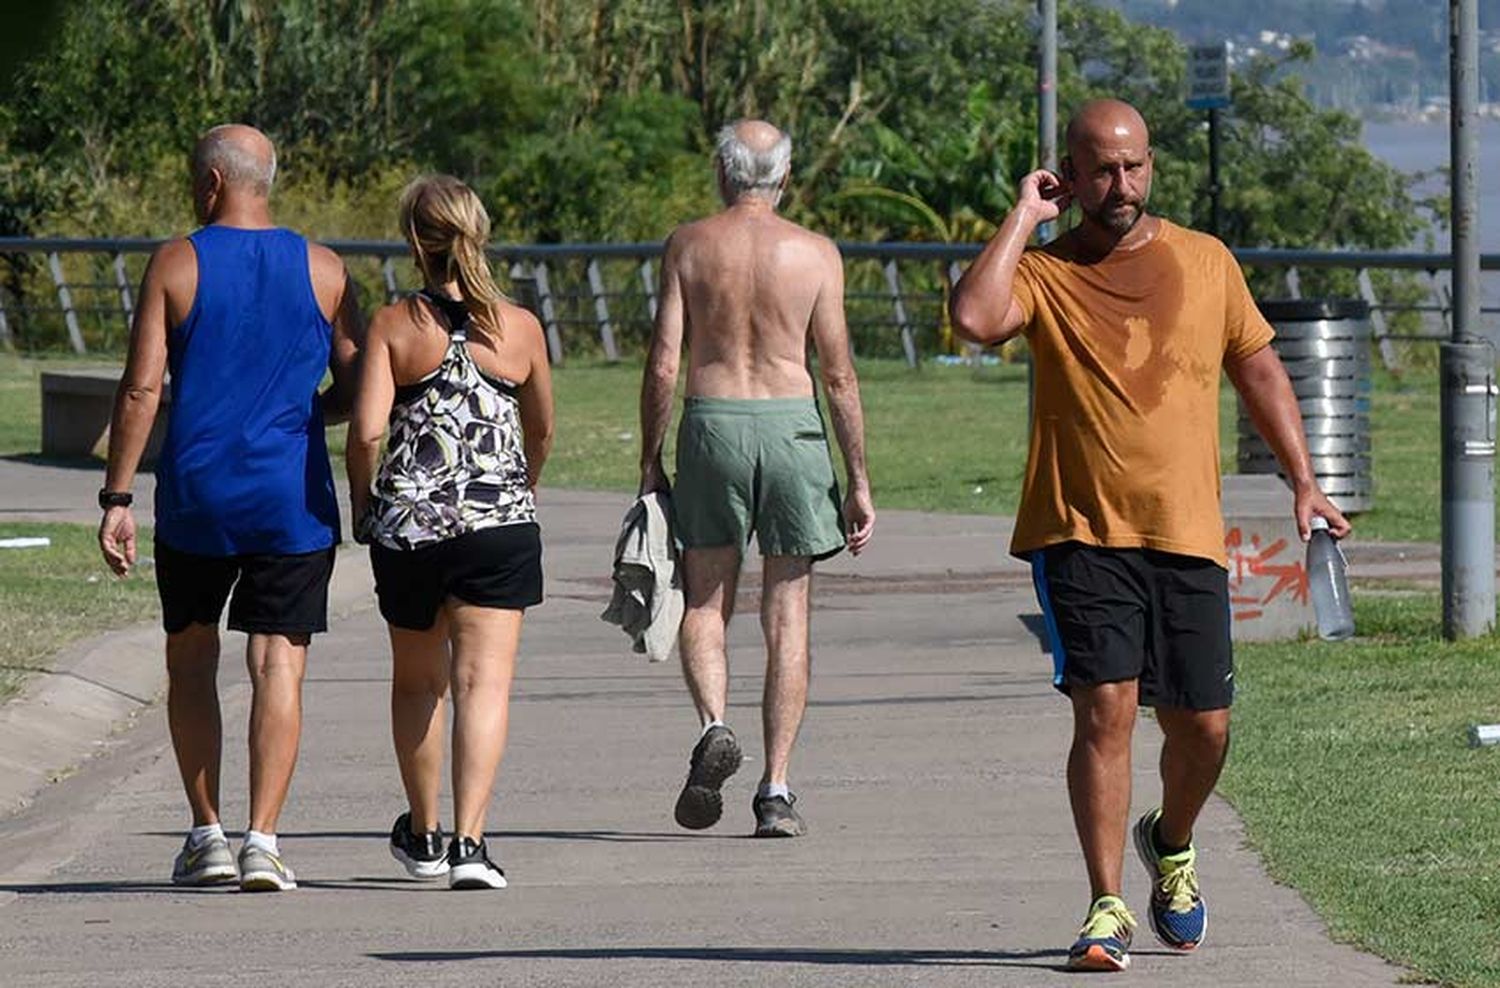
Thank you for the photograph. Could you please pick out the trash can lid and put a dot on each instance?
(1311, 309)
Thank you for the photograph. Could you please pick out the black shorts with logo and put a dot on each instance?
(494, 567)
(1157, 617)
(273, 594)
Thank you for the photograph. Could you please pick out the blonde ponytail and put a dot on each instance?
(447, 228)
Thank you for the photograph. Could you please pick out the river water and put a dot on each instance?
(1423, 147)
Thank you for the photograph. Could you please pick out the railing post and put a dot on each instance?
(1377, 321)
(601, 311)
(127, 306)
(7, 340)
(898, 309)
(648, 281)
(75, 332)
(548, 311)
(1293, 283)
(388, 273)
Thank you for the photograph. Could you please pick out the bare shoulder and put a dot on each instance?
(173, 259)
(324, 262)
(328, 275)
(388, 321)
(521, 324)
(687, 235)
(174, 271)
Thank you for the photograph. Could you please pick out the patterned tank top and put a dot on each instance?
(454, 461)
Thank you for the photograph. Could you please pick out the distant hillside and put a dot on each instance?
(1371, 53)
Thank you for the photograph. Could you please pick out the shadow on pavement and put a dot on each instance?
(124, 886)
(775, 955)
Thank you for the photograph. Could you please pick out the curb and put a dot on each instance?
(96, 689)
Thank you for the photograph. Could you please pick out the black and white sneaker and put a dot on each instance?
(470, 867)
(421, 854)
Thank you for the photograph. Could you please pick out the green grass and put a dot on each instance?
(58, 594)
(1352, 772)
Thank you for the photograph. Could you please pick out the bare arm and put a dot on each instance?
(983, 305)
(659, 383)
(536, 404)
(372, 409)
(137, 400)
(343, 357)
(1267, 392)
(830, 334)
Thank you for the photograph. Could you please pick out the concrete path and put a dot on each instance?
(941, 849)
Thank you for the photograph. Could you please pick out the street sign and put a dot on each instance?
(1208, 76)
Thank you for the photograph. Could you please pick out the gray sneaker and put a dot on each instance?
(262, 871)
(209, 863)
(775, 817)
(715, 758)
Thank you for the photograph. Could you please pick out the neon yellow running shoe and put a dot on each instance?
(1103, 943)
(1179, 916)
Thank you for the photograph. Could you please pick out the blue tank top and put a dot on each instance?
(244, 468)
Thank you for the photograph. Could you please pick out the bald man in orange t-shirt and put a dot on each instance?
(1130, 319)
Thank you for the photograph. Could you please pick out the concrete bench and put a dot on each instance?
(76, 409)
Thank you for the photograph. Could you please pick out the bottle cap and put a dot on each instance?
(1317, 522)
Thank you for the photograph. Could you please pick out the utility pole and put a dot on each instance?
(1467, 364)
(1046, 88)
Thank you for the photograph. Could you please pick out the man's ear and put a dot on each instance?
(1067, 168)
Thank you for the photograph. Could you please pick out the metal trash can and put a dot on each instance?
(1325, 347)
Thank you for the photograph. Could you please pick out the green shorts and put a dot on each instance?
(757, 465)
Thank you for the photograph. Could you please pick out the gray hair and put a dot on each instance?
(238, 164)
(750, 172)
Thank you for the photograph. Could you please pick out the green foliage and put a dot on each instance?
(592, 119)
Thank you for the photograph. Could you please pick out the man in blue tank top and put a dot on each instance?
(248, 317)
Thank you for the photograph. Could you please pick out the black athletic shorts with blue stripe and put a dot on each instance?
(1120, 614)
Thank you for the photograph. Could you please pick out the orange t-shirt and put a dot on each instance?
(1125, 423)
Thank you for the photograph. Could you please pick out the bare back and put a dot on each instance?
(751, 283)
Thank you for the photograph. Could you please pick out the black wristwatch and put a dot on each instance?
(115, 499)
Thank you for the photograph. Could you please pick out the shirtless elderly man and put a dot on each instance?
(747, 289)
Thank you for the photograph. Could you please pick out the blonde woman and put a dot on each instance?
(460, 375)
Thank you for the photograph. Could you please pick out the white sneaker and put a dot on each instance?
(470, 867)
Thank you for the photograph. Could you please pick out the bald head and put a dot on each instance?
(244, 158)
(1106, 122)
(754, 158)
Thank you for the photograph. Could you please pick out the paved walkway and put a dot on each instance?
(941, 848)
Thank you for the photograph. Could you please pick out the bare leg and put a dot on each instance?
(1192, 755)
(710, 578)
(787, 584)
(193, 716)
(1099, 778)
(276, 664)
(419, 682)
(484, 658)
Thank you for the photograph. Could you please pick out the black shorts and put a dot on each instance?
(1157, 617)
(273, 594)
(493, 567)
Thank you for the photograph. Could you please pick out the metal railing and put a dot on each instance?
(601, 298)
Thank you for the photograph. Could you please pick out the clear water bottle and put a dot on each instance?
(1327, 584)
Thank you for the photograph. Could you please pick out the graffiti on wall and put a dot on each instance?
(1260, 573)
